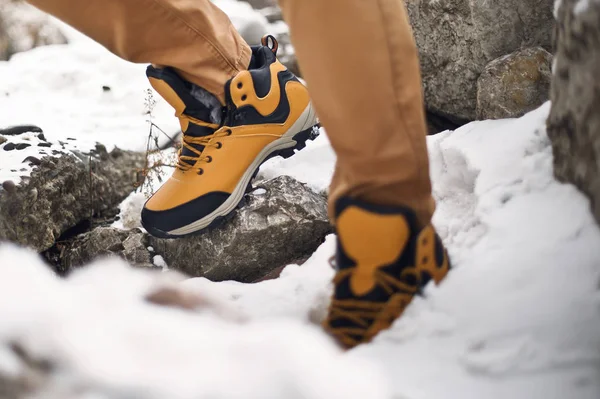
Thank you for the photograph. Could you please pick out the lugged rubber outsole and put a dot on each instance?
(300, 138)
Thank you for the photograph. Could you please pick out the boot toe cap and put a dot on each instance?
(163, 223)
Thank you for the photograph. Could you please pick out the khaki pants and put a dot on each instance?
(358, 57)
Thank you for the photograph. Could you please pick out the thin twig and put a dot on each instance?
(91, 189)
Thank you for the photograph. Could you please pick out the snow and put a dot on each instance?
(60, 89)
(583, 5)
(130, 211)
(108, 341)
(159, 261)
(313, 166)
(518, 317)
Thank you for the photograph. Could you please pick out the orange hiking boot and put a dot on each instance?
(268, 113)
(383, 260)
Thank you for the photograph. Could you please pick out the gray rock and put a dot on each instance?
(9, 186)
(105, 241)
(259, 4)
(20, 129)
(458, 38)
(574, 122)
(62, 192)
(5, 43)
(23, 27)
(283, 222)
(515, 84)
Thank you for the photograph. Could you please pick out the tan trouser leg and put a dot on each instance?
(361, 65)
(192, 36)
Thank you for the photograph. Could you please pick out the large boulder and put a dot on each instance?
(574, 122)
(23, 27)
(458, 38)
(515, 84)
(282, 222)
(63, 188)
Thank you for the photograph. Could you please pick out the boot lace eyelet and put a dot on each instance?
(240, 85)
(208, 159)
(244, 97)
(219, 146)
(201, 171)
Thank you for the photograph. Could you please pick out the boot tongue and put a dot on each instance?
(205, 109)
(187, 99)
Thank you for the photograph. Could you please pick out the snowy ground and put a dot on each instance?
(76, 91)
(519, 316)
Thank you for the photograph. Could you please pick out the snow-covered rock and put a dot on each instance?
(62, 187)
(81, 91)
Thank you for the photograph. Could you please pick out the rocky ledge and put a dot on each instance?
(63, 190)
(282, 222)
